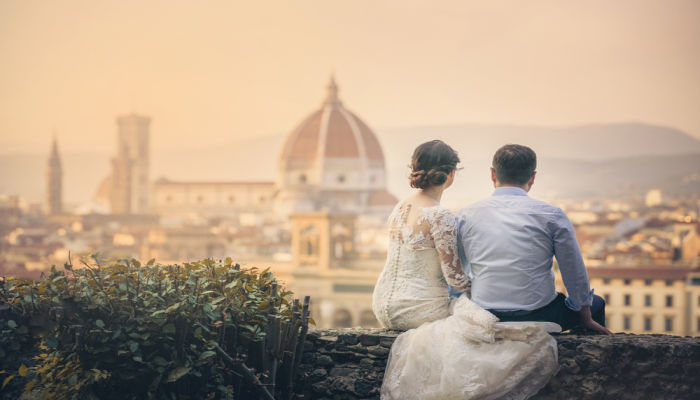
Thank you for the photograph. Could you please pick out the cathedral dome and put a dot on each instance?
(332, 132)
(331, 161)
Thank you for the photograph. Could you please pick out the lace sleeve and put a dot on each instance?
(443, 229)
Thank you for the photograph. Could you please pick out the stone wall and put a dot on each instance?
(342, 364)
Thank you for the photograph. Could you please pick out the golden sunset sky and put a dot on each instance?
(215, 71)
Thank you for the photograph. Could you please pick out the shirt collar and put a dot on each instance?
(509, 191)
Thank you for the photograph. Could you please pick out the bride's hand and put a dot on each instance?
(586, 322)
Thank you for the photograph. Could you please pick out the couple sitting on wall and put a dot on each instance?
(492, 341)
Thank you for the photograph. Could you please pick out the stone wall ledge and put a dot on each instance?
(348, 364)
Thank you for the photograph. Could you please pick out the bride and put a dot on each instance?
(452, 349)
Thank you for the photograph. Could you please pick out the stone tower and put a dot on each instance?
(54, 177)
(130, 168)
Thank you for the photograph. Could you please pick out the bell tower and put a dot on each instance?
(130, 169)
(54, 183)
(323, 240)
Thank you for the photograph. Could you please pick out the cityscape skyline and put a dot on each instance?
(179, 132)
(217, 71)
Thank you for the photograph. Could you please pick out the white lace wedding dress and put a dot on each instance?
(452, 349)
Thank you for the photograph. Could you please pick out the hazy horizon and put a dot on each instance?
(222, 71)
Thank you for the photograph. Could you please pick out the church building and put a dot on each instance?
(331, 162)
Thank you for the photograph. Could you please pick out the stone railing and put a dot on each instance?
(342, 364)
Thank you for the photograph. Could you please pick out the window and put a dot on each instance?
(341, 178)
(698, 300)
(628, 281)
(695, 281)
(169, 199)
(628, 299)
(626, 323)
(368, 320)
(699, 324)
(606, 281)
(648, 282)
(372, 179)
(669, 324)
(647, 300)
(647, 323)
(607, 321)
(200, 199)
(669, 282)
(342, 319)
(669, 301)
(302, 178)
(262, 199)
(231, 199)
(607, 299)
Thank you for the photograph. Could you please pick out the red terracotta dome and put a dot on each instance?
(332, 132)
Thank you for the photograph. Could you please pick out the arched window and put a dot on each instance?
(368, 320)
(342, 319)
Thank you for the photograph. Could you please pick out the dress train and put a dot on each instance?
(470, 355)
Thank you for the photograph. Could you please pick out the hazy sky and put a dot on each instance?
(213, 71)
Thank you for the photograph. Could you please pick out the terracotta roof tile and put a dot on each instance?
(340, 142)
(305, 147)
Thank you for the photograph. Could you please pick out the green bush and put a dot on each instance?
(122, 330)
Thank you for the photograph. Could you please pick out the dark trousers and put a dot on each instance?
(559, 313)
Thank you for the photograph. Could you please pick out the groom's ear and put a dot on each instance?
(532, 179)
(493, 175)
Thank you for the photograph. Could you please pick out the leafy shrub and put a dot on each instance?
(123, 330)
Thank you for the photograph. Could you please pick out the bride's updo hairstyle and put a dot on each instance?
(431, 163)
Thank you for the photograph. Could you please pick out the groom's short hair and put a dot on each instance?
(514, 164)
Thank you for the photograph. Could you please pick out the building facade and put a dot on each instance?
(650, 299)
(331, 162)
(212, 198)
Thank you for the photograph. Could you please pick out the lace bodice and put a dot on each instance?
(422, 260)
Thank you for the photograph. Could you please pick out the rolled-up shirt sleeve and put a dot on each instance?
(571, 266)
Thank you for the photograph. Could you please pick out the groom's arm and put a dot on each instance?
(466, 266)
(454, 293)
(571, 266)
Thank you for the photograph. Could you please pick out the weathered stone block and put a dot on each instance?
(363, 388)
(324, 361)
(349, 339)
(341, 371)
(380, 351)
(369, 340)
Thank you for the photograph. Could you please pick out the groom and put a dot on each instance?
(508, 241)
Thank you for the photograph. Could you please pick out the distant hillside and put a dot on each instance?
(577, 179)
(589, 142)
(586, 161)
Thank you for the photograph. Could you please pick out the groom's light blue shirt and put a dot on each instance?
(508, 241)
